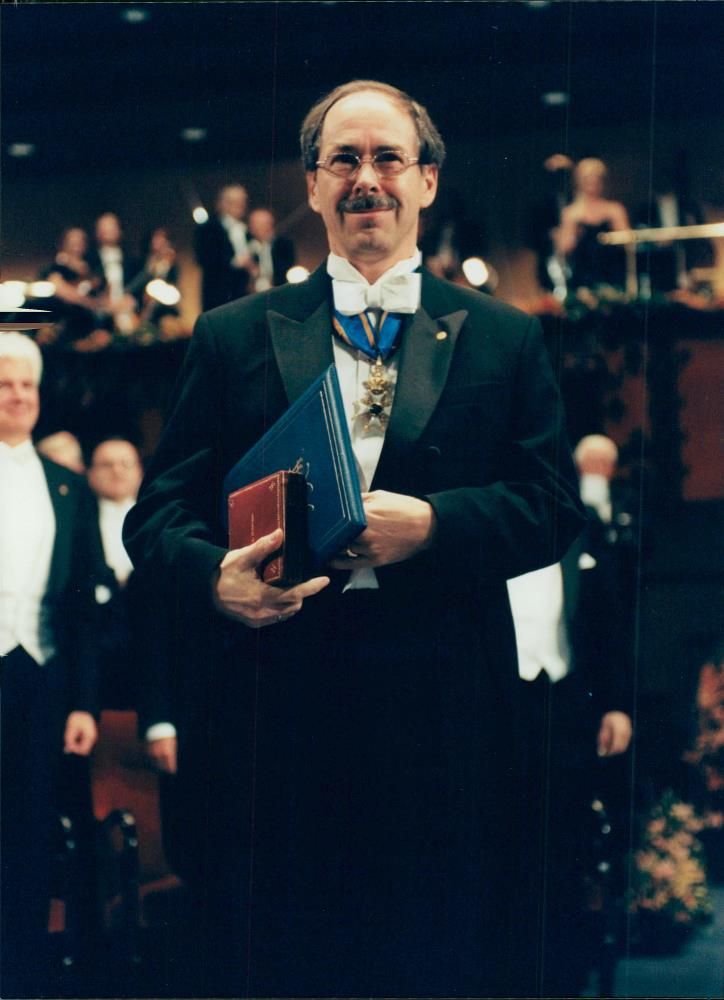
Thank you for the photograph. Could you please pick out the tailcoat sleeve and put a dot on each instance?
(526, 516)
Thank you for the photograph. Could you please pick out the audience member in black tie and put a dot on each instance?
(347, 742)
(222, 249)
(112, 263)
(159, 264)
(272, 255)
(73, 303)
(129, 675)
(48, 547)
(590, 214)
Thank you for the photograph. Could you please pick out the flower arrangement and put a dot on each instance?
(669, 877)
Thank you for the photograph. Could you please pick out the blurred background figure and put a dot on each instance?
(668, 265)
(588, 215)
(272, 255)
(63, 448)
(575, 662)
(48, 569)
(222, 249)
(544, 217)
(72, 303)
(129, 658)
(110, 262)
(160, 264)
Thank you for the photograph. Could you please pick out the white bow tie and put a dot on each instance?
(399, 293)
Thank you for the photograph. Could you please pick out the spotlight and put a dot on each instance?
(161, 291)
(296, 275)
(134, 15)
(200, 214)
(20, 150)
(476, 271)
(193, 134)
(12, 294)
(41, 289)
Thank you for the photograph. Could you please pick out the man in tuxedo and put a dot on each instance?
(349, 742)
(47, 578)
(132, 667)
(111, 263)
(272, 255)
(222, 249)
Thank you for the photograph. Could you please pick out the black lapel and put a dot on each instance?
(62, 496)
(425, 355)
(571, 582)
(303, 347)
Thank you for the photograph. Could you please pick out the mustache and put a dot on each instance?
(367, 203)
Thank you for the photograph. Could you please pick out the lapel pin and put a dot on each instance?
(441, 335)
(63, 490)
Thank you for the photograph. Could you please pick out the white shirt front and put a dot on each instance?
(536, 600)
(111, 515)
(27, 536)
(353, 369)
(112, 261)
(237, 233)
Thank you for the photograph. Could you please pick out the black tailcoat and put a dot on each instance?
(370, 832)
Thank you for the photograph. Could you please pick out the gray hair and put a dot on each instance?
(19, 347)
(432, 148)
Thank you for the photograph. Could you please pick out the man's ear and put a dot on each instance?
(312, 191)
(428, 178)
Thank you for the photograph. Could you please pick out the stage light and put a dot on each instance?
(476, 271)
(41, 289)
(193, 134)
(296, 275)
(12, 294)
(537, 4)
(161, 291)
(200, 215)
(21, 150)
(555, 98)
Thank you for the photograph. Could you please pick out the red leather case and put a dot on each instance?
(276, 501)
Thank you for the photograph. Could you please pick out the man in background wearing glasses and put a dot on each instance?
(349, 744)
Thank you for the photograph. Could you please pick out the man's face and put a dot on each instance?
(108, 230)
(371, 220)
(19, 400)
(115, 472)
(261, 225)
(233, 201)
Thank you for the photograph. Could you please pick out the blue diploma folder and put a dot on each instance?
(312, 437)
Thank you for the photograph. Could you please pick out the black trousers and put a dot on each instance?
(353, 794)
(30, 746)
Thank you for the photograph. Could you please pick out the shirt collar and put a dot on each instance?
(340, 267)
(22, 452)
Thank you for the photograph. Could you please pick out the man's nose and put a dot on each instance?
(366, 178)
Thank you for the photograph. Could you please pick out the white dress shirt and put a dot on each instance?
(27, 536)
(111, 514)
(353, 368)
(112, 261)
(536, 600)
(237, 233)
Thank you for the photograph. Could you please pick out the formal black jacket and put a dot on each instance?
(214, 253)
(75, 573)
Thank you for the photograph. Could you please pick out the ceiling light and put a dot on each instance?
(134, 15)
(21, 149)
(200, 215)
(476, 271)
(193, 134)
(555, 98)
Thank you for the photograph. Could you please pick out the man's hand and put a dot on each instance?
(81, 733)
(614, 734)
(241, 594)
(398, 527)
(162, 753)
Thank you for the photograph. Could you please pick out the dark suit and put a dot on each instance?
(35, 702)
(367, 740)
(214, 253)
